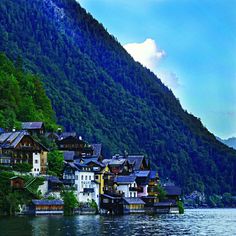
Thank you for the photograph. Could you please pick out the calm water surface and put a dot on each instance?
(194, 222)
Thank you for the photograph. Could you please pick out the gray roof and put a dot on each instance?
(133, 200)
(48, 202)
(137, 160)
(4, 137)
(12, 139)
(32, 125)
(69, 155)
(106, 161)
(116, 162)
(53, 179)
(123, 179)
(67, 134)
(142, 173)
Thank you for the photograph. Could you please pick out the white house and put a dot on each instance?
(127, 185)
(82, 178)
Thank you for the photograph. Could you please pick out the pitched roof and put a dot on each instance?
(53, 179)
(11, 140)
(134, 200)
(123, 179)
(67, 134)
(142, 173)
(116, 162)
(69, 155)
(32, 125)
(137, 160)
(172, 190)
(48, 202)
(4, 137)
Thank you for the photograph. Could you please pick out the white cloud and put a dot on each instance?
(170, 79)
(149, 55)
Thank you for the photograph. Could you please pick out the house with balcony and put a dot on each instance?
(71, 142)
(126, 185)
(81, 178)
(21, 147)
(142, 180)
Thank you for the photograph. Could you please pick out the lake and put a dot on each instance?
(193, 222)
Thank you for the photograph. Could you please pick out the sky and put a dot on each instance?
(189, 44)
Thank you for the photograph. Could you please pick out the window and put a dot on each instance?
(36, 161)
(76, 177)
(89, 177)
(86, 177)
(96, 177)
(82, 177)
(34, 169)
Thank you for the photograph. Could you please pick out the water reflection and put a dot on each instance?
(193, 222)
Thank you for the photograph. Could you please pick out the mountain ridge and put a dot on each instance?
(230, 142)
(97, 89)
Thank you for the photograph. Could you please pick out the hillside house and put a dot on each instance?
(20, 147)
(73, 143)
(34, 128)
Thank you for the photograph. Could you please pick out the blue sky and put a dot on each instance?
(190, 44)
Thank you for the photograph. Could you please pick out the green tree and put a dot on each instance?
(55, 162)
(70, 202)
(23, 167)
(161, 193)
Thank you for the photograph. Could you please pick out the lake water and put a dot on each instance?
(194, 222)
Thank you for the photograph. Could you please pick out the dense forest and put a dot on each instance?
(23, 97)
(97, 89)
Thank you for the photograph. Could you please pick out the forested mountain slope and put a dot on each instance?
(22, 97)
(97, 89)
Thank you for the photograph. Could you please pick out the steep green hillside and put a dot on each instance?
(97, 89)
(23, 97)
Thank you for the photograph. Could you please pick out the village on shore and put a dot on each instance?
(121, 184)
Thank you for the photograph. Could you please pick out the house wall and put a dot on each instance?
(44, 187)
(36, 164)
(145, 191)
(125, 188)
(43, 162)
(85, 179)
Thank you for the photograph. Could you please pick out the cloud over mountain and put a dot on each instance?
(147, 53)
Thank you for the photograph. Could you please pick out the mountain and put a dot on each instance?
(23, 97)
(231, 142)
(98, 90)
